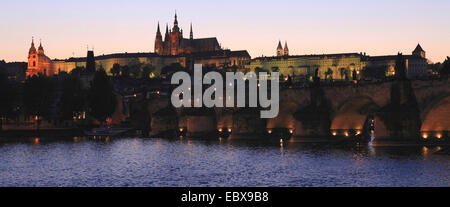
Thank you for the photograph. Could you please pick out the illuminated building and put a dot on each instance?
(336, 66)
(174, 49)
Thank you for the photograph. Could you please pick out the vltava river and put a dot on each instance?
(159, 162)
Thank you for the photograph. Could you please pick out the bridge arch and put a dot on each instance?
(352, 115)
(285, 118)
(436, 117)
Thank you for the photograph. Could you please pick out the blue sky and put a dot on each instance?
(309, 27)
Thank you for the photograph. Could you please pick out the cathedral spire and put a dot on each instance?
(176, 20)
(191, 36)
(158, 32)
(286, 49)
(279, 45)
(280, 51)
(166, 37)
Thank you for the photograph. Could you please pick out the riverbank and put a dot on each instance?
(42, 132)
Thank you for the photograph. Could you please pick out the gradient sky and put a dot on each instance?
(377, 27)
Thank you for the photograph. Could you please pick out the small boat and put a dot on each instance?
(105, 131)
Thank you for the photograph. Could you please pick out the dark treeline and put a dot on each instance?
(61, 97)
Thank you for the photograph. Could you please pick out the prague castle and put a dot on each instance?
(174, 49)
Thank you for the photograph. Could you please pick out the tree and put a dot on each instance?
(342, 73)
(171, 69)
(329, 74)
(125, 70)
(102, 100)
(73, 97)
(354, 75)
(115, 70)
(135, 67)
(39, 94)
(445, 69)
(77, 71)
(147, 69)
(8, 96)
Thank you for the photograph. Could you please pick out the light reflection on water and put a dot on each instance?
(185, 162)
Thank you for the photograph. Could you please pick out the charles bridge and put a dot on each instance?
(403, 110)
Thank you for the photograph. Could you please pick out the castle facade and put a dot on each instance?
(337, 66)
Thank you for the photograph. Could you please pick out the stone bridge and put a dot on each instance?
(400, 109)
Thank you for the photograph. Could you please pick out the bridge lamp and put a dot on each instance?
(229, 130)
(291, 131)
(181, 129)
(425, 135)
(220, 129)
(346, 134)
(269, 131)
(358, 132)
(439, 135)
(334, 133)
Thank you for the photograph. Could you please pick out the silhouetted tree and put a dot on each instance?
(135, 67)
(329, 74)
(147, 69)
(77, 71)
(171, 69)
(102, 100)
(38, 97)
(115, 70)
(445, 70)
(73, 98)
(8, 95)
(125, 71)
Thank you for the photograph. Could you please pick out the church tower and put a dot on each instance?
(286, 49)
(280, 51)
(176, 36)
(32, 60)
(158, 42)
(419, 51)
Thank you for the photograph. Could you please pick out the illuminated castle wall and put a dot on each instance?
(340, 65)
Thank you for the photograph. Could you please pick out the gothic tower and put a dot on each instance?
(158, 42)
(280, 51)
(176, 37)
(286, 49)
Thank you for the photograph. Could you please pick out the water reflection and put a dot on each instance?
(80, 161)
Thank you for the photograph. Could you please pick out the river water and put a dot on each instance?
(185, 162)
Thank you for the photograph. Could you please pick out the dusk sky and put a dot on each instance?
(377, 27)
